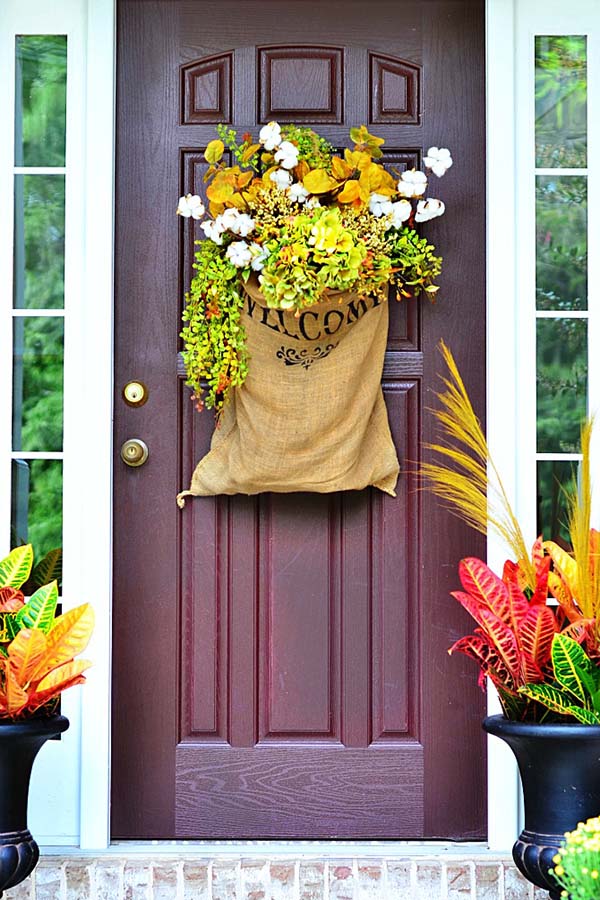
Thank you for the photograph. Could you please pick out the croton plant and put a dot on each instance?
(303, 220)
(37, 647)
(538, 625)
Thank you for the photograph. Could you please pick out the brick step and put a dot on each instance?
(189, 878)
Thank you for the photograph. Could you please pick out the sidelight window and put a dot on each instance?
(38, 308)
(561, 270)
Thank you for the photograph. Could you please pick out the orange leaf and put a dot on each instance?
(16, 697)
(25, 653)
(11, 600)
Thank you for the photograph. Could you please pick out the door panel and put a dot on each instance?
(280, 661)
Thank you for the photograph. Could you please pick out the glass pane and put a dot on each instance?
(561, 383)
(561, 242)
(40, 100)
(38, 357)
(39, 242)
(555, 478)
(560, 102)
(37, 504)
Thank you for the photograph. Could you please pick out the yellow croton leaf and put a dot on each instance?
(25, 653)
(367, 142)
(350, 192)
(214, 152)
(319, 182)
(56, 680)
(564, 564)
(69, 636)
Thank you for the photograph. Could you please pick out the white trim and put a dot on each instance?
(39, 170)
(96, 342)
(37, 313)
(502, 355)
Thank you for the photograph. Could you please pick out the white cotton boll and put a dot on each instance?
(244, 225)
(379, 205)
(298, 192)
(190, 205)
(287, 155)
(213, 231)
(228, 219)
(281, 178)
(239, 253)
(270, 136)
(313, 203)
(412, 184)
(439, 160)
(429, 209)
(401, 211)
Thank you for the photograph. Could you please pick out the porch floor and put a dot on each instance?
(132, 876)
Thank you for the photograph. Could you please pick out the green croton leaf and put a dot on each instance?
(573, 669)
(15, 568)
(40, 610)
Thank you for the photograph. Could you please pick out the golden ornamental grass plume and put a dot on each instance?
(465, 476)
(584, 539)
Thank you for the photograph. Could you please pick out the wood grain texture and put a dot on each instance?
(283, 792)
(280, 661)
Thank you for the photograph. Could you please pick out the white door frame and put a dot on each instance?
(88, 409)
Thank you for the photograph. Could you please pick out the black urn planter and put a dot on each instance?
(560, 773)
(19, 746)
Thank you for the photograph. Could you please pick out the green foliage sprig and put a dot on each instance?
(214, 338)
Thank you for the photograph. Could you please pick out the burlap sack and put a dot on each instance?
(311, 414)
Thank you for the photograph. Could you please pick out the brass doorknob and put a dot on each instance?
(134, 452)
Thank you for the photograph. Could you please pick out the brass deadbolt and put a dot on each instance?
(135, 393)
(134, 452)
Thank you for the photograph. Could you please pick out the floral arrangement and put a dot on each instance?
(543, 658)
(304, 221)
(577, 863)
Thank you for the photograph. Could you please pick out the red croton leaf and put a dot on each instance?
(483, 584)
(479, 648)
(11, 600)
(536, 633)
(541, 564)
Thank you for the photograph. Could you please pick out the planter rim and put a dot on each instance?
(501, 726)
(41, 726)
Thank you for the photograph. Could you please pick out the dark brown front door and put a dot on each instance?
(280, 665)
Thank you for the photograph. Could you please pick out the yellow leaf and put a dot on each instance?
(564, 564)
(249, 153)
(219, 191)
(237, 200)
(319, 182)
(340, 169)
(244, 179)
(214, 152)
(350, 192)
